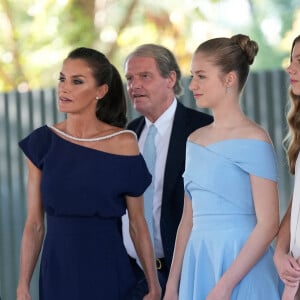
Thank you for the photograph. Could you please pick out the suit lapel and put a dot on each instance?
(138, 126)
(176, 150)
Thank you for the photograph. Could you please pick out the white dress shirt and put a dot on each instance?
(164, 127)
(295, 214)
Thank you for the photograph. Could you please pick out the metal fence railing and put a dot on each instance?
(264, 100)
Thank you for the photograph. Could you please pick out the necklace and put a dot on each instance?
(91, 139)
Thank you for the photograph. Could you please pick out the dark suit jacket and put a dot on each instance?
(186, 120)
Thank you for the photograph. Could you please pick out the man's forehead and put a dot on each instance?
(141, 64)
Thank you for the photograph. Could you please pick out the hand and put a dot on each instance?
(153, 294)
(171, 292)
(289, 293)
(219, 292)
(23, 293)
(288, 269)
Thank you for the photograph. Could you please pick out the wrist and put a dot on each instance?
(279, 254)
(227, 284)
(22, 290)
(171, 286)
(22, 286)
(155, 291)
(154, 285)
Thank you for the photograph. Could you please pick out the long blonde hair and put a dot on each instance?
(292, 139)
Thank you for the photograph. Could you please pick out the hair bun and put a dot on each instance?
(248, 46)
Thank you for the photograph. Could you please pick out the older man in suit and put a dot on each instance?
(153, 83)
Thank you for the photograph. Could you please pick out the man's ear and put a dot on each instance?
(172, 79)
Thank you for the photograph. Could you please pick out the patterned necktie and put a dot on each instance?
(149, 153)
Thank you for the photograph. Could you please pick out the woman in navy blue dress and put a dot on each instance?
(83, 173)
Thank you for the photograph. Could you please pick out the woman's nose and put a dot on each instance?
(290, 70)
(65, 86)
(191, 85)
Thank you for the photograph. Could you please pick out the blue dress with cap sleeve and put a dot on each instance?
(83, 194)
(217, 180)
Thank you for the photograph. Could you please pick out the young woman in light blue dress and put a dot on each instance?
(223, 248)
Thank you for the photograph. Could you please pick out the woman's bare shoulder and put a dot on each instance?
(255, 131)
(200, 135)
(125, 142)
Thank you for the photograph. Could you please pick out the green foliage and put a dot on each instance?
(77, 27)
(36, 35)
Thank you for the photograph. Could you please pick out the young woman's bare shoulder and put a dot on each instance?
(255, 131)
(199, 135)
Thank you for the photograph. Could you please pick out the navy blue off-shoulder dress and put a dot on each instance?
(83, 191)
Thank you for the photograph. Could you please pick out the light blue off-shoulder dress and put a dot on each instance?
(217, 180)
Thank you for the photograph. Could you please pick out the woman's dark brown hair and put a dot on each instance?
(111, 108)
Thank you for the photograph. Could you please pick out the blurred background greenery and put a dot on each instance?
(37, 34)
